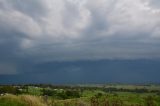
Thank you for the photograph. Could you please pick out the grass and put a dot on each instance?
(126, 98)
(35, 97)
(32, 100)
(34, 91)
(22, 100)
(11, 100)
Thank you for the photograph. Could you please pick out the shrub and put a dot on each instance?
(9, 89)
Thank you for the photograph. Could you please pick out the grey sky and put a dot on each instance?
(40, 31)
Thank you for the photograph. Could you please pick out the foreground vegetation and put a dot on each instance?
(81, 95)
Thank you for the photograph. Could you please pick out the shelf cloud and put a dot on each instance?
(40, 31)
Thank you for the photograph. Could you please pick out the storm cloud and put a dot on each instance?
(40, 31)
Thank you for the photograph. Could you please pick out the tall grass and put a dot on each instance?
(11, 100)
(32, 100)
(23, 100)
(101, 100)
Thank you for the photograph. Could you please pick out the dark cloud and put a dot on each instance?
(102, 71)
(33, 33)
(72, 30)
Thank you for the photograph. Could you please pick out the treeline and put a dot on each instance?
(77, 90)
(65, 94)
(9, 89)
(55, 93)
(142, 90)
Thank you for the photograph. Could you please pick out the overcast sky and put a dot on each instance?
(44, 38)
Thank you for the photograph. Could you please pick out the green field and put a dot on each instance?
(80, 95)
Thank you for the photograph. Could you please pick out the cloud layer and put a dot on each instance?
(39, 31)
(85, 72)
